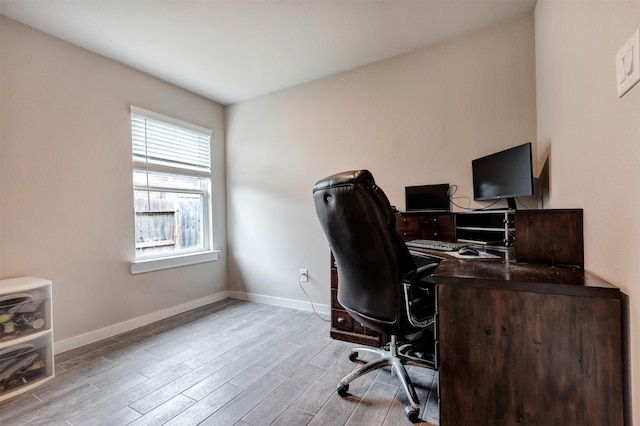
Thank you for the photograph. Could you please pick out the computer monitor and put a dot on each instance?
(427, 198)
(506, 174)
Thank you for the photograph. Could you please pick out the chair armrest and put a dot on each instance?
(412, 283)
(423, 271)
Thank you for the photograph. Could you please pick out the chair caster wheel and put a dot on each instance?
(412, 414)
(342, 389)
(353, 356)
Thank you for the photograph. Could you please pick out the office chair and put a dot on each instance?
(379, 283)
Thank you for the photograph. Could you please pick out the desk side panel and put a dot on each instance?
(513, 357)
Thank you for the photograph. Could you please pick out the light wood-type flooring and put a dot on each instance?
(229, 363)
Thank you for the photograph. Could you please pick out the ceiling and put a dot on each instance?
(234, 50)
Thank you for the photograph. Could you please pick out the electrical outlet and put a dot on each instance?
(304, 275)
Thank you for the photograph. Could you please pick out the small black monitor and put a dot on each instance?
(426, 198)
(506, 174)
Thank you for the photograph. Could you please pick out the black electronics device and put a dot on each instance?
(427, 198)
(506, 174)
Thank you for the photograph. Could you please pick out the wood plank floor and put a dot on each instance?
(229, 363)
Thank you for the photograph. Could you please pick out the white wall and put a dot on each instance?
(66, 204)
(419, 118)
(594, 138)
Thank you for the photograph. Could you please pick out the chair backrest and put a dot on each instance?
(371, 258)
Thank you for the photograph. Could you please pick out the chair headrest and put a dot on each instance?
(349, 177)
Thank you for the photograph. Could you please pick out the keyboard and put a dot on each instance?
(436, 245)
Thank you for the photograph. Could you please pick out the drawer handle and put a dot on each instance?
(405, 221)
(341, 320)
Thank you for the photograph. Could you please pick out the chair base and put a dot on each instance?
(396, 358)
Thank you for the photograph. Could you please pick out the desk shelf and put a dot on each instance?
(491, 227)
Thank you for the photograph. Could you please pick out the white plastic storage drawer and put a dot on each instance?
(26, 335)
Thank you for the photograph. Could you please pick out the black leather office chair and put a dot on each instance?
(379, 283)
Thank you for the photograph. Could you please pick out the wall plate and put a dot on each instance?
(628, 64)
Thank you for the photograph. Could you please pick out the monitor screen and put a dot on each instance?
(505, 174)
(427, 197)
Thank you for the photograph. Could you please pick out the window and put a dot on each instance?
(171, 191)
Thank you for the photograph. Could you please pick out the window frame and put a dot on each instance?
(142, 264)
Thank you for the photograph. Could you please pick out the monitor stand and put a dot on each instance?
(511, 202)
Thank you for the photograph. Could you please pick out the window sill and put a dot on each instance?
(149, 265)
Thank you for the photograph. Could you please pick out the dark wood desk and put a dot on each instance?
(527, 344)
(518, 343)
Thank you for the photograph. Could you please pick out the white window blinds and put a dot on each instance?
(168, 145)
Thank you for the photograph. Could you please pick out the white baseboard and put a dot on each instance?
(132, 324)
(279, 301)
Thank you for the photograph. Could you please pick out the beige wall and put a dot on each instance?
(66, 204)
(65, 185)
(419, 118)
(593, 138)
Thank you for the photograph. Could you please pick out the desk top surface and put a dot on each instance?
(506, 274)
